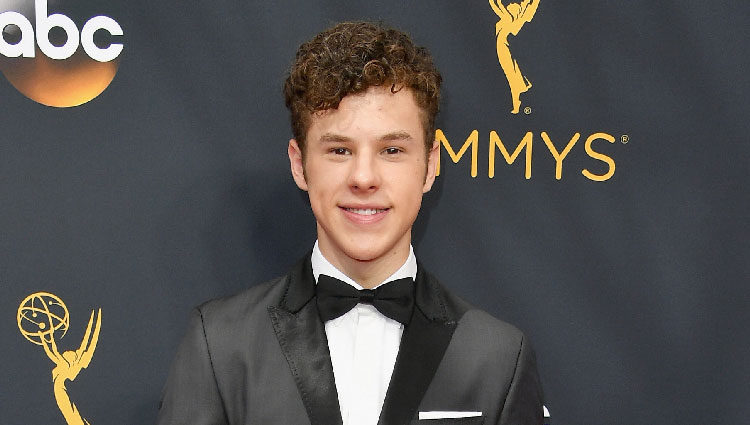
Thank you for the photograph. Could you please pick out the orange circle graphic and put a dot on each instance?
(59, 83)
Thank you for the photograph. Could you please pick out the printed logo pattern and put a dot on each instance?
(52, 62)
(511, 19)
(42, 319)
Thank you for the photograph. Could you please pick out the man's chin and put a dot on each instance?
(364, 256)
(366, 252)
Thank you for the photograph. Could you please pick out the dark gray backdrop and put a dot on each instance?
(172, 187)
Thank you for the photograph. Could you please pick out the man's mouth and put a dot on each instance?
(366, 211)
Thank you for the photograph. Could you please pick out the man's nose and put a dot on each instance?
(364, 174)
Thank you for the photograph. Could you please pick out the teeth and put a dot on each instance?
(366, 211)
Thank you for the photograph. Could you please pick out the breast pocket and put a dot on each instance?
(476, 420)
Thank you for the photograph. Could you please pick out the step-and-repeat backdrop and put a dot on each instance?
(594, 157)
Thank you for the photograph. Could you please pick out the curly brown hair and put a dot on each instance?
(351, 57)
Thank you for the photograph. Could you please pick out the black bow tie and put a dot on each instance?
(394, 299)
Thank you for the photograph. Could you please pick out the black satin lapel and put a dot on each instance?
(302, 338)
(303, 341)
(422, 347)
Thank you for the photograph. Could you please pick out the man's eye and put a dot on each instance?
(339, 151)
(392, 150)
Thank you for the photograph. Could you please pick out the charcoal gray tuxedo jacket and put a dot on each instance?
(261, 357)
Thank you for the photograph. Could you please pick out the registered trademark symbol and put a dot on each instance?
(624, 139)
(527, 110)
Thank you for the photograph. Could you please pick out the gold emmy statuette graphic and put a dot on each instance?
(510, 20)
(42, 318)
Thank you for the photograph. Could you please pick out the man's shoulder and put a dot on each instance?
(473, 319)
(247, 303)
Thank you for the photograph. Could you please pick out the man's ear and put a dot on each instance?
(432, 161)
(296, 164)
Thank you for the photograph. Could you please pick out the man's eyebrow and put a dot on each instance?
(396, 136)
(334, 138)
(388, 137)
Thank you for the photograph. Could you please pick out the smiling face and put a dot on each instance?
(365, 170)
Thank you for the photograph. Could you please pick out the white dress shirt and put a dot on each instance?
(363, 344)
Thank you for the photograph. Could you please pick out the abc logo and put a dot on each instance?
(52, 62)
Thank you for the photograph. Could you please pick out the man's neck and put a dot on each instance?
(367, 274)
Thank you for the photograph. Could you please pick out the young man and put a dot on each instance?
(358, 333)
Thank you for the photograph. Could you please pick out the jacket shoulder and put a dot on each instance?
(474, 319)
(247, 303)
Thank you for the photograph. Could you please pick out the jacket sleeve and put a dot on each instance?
(191, 395)
(524, 402)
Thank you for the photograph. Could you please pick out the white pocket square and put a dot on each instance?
(447, 415)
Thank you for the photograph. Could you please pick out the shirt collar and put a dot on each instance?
(320, 265)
